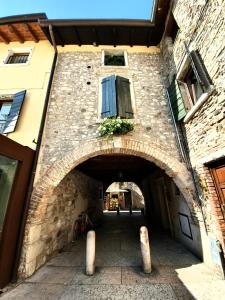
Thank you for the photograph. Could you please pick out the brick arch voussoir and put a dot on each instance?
(151, 152)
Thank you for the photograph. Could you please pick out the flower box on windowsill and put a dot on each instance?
(115, 126)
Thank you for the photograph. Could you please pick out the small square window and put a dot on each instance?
(114, 58)
(18, 58)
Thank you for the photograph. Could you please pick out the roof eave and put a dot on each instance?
(96, 22)
(23, 18)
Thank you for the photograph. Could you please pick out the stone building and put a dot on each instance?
(165, 76)
(195, 58)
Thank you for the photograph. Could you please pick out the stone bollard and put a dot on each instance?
(145, 250)
(90, 253)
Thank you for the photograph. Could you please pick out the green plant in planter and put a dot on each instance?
(112, 126)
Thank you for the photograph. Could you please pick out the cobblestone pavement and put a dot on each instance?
(177, 274)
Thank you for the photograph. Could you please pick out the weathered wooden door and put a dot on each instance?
(218, 173)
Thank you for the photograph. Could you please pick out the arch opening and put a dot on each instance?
(123, 197)
(84, 187)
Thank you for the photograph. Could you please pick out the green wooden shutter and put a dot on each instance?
(12, 119)
(206, 82)
(123, 97)
(176, 101)
(109, 108)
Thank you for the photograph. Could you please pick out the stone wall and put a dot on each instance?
(137, 197)
(202, 28)
(206, 130)
(70, 137)
(164, 204)
(55, 228)
(73, 116)
(70, 134)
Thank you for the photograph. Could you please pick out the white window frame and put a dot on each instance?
(113, 51)
(13, 51)
(132, 94)
(184, 67)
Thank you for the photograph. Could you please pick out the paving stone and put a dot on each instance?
(135, 275)
(52, 274)
(110, 244)
(122, 258)
(207, 291)
(130, 244)
(176, 274)
(195, 273)
(107, 275)
(33, 291)
(182, 292)
(119, 292)
(68, 259)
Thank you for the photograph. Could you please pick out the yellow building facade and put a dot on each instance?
(26, 63)
(32, 77)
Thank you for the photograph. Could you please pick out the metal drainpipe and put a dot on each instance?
(33, 172)
(186, 159)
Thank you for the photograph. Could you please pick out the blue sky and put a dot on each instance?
(79, 9)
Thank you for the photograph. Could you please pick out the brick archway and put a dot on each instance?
(151, 152)
(38, 241)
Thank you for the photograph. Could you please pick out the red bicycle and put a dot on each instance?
(82, 225)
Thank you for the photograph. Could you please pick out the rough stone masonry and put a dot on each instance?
(72, 120)
(201, 26)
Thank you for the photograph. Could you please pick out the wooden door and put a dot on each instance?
(218, 173)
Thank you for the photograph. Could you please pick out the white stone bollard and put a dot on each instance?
(90, 253)
(145, 250)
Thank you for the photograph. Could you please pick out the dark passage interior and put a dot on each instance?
(164, 206)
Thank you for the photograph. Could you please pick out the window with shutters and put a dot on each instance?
(176, 100)
(10, 111)
(192, 83)
(116, 97)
